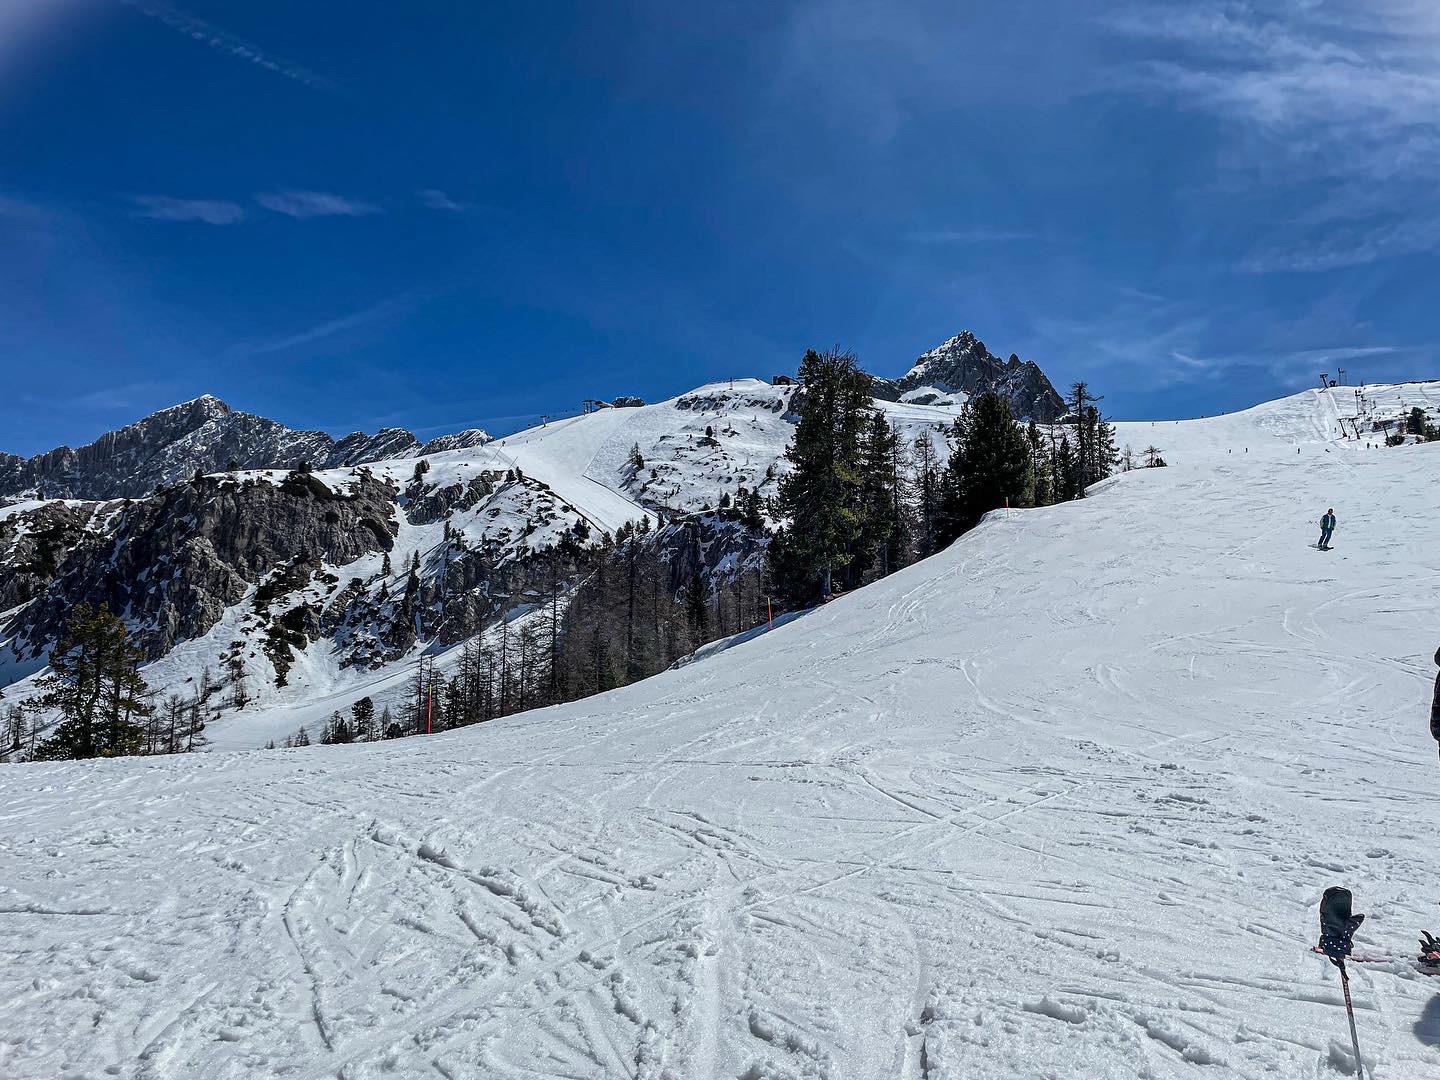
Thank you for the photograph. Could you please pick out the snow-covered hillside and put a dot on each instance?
(509, 498)
(1058, 802)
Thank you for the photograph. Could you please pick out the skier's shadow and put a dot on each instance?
(1427, 1028)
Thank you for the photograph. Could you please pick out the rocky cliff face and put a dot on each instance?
(204, 435)
(963, 365)
(174, 562)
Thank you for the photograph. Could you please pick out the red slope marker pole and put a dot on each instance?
(770, 611)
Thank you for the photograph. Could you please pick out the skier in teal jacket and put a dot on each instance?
(1327, 526)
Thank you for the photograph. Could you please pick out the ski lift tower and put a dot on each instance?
(1324, 379)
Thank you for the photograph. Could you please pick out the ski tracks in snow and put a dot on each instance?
(1052, 804)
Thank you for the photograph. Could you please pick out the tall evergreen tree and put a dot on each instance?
(820, 495)
(95, 684)
(927, 487)
(1081, 405)
(882, 521)
(1041, 483)
(988, 468)
(697, 607)
(363, 712)
(1067, 472)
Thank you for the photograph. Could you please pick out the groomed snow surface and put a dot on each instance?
(1059, 802)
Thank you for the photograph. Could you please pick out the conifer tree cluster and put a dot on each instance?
(842, 499)
(103, 704)
(856, 505)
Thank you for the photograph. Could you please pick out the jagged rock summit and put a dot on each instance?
(963, 365)
(205, 435)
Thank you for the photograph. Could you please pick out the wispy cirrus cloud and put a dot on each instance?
(1153, 346)
(167, 208)
(436, 199)
(221, 40)
(1337, 103)
(21, 209)
(329, 328)
(314, 204)
(1151, 342)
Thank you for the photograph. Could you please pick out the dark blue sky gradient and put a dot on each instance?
(445, 215)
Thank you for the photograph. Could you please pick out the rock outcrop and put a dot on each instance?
(174, 562)
(963, 365)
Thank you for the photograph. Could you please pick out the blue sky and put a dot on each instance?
(441, 215)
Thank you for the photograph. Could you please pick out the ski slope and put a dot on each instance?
(1059, 802)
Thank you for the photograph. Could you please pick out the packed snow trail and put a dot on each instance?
(1059, 802)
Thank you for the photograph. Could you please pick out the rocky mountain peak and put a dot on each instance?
(204, 435)
(963, 365)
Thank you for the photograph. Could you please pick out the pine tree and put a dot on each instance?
(15, 732)
(1041, 483)
(927, 496)
(1067, 473)
(820, 495)
(1081, 405)
(95, 684)
(337, 731)
(882, 521)
(1109, 455)
(302, 737)
(363, 712)
(603, 668)
(412, 587)
(988, 468)
(697, 609)
(752, 516)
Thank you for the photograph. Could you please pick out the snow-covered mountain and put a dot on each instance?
(330, 551)
(1057, 802)
(962, 367)
(205, 435)
(307, 576)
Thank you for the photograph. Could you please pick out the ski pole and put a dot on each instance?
(1350, 1012)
